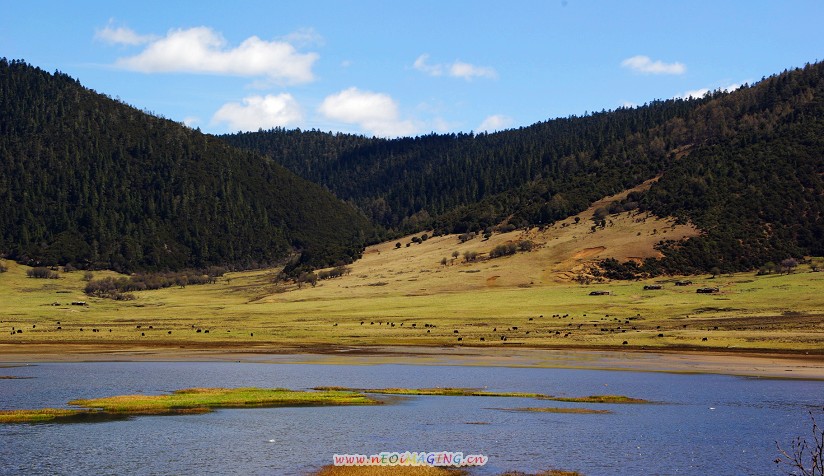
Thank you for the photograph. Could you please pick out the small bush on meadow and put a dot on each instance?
(119, 288)
(42, 272)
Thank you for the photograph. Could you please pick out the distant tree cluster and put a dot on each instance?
(611, 268)
(464, 237)
(508, 249)
(118, 288)
(786, 266)
(335, 272)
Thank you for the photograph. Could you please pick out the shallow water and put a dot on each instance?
(703, 424)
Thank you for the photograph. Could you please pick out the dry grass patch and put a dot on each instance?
(474, 392)
(204, 399)
(580, 411)
(187, 401)
(599, 399)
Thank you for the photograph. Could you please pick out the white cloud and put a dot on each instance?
(467, 71)
(628, 104)
(260, 112)
(644, 64)
(495, 122)
(376, 113)
(458, 69)
(202, 50)
(305, 37)
(121, 36)
(695, 93)
(191, 121)
(421, 65)
(699, 93)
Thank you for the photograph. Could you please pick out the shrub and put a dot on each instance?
(216, 271)
(335, 272)
(789, 264)
(599, 214)
(525, 245)
(115, 288)
(615, 207)
(503, 250)
(310, 278)
(470, 256)
(466, 236)
(3, 268)
(41, 272)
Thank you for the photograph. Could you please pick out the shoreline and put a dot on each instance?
(784, 365)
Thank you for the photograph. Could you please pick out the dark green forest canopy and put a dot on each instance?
(746, 167)
(88, 180)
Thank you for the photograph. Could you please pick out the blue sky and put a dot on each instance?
(395, 68)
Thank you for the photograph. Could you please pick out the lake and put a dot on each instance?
(700, 425)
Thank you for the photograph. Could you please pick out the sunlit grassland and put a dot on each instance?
(406, 297)
(208, 398)
(475, 392)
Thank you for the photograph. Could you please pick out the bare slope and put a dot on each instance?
(561, 253)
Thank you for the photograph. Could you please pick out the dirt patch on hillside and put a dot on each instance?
(588, 252)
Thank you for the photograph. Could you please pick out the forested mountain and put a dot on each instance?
(746, 167)
(405, 183)
(90, 181)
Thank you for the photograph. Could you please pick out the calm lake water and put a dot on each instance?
(704, 424)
